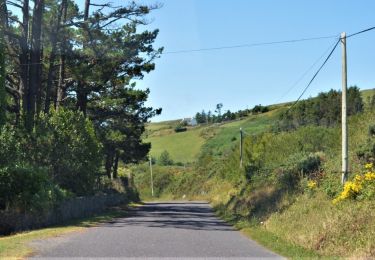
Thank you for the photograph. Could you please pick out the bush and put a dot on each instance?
(28, 189)
(12, 146)
(260, 109)
(65, 144)
(298, 166)
(180, 128)
(366, 151)
(362, 187)
(165, 159)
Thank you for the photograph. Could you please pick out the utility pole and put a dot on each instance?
(152, 179)
(344, 123)
(241, 146)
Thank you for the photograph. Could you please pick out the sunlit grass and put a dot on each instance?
(182, 147)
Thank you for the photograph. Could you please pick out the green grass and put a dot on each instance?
(18, 246)
(277, 244)
(367, 93)
(183, 147)
(345, 230)
(228, 135)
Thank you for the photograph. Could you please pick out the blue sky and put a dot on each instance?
(185, 83)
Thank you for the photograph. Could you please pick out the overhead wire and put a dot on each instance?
(250, 45)
(321, 67)
(316, 74)
(305, 73)
(363, 31)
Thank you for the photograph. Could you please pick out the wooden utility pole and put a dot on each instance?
(344, 123)
(152, 178)
(241, 147)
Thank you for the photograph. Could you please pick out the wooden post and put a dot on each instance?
(152, 179)
(241, 147)
(344, 123)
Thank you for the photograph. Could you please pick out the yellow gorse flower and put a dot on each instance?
(312, 185)
(359, 182)
(369, 176)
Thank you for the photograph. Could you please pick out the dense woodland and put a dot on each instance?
(69, 110)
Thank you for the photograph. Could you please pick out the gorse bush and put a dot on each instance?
(361, 187)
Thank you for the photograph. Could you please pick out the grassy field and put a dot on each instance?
(185, 146)
(18, 246)
(228, 135)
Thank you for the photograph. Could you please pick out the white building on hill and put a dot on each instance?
(189, 121)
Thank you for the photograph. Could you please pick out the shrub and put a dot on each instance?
(12, 146)
(28, 189)
(165, 159)
(366, 151)
(260, 109)
(298, 166)
(361, 187)
(180, 128)
(65, 143)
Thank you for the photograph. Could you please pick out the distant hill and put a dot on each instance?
(184, 147)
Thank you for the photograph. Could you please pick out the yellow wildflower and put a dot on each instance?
(368, 165)
(369, 176)
(312, 184)
(358, 178)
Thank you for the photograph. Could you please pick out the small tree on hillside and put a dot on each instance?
(165, 159)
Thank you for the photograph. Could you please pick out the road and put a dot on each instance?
(160, 229)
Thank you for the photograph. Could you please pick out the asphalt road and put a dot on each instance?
(167, 229)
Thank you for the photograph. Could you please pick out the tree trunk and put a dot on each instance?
(115, 166)
(35, 76)
(81, 91)
(24, 59)
(52, 57)
(108, 164)
(61, 91)
(81, 98)
(2, 62)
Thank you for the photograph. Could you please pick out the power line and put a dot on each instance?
(316, 73)
(363, 31)
(305, 73)
(264, 43)
(250, 45)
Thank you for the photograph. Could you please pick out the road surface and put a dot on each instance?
(160, 229)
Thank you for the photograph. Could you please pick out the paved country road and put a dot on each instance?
(160, 229)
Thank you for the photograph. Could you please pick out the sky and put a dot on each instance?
(239, 78)
(185, 83)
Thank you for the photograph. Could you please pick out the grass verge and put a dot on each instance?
(266, 238)
(277, 244)
(17, 246)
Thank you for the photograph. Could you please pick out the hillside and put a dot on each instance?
(185, 146)
(289, 178)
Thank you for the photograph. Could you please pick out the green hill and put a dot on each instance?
(290, 178)
(185, 146)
